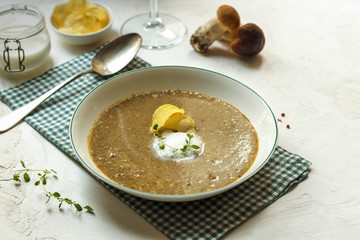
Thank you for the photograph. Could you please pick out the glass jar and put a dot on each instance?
(24, 39)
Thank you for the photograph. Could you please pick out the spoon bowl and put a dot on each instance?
(116, 55)
(109, 60)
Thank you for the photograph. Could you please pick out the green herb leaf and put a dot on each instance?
(42, 180)
(195, 146)
(184, 148)
(26, 177)
(155, 127)
(78, 207)
(49, 196)
(56, 194)
(89, 209)
(16, 177)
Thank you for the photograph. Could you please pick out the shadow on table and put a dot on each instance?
(251, 62)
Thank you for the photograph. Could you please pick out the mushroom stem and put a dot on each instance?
(227, 19)
(228, 37)
(206, 34)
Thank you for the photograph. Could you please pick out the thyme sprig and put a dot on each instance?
(162, 145)
(43, 174)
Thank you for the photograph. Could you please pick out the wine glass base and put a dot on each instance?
(168, 32)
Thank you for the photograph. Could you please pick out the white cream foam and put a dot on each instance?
(177, 140)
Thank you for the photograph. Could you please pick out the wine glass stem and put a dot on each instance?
(154, 9)
(154, 21)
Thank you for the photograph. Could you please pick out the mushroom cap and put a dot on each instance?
(228, 17)
(250, 41)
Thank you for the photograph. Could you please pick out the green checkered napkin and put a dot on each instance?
(204, 219)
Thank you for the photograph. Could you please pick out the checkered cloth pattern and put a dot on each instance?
(210, 218)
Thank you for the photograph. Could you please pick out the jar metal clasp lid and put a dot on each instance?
(13, 55)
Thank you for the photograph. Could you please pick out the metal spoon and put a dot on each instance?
(109, 60)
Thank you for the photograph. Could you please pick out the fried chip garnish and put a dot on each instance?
(79, 17)
(171, 117)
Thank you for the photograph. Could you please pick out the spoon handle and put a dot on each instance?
(11, 119)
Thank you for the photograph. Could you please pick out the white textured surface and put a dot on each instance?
(308, 69)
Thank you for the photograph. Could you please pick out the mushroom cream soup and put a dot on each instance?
(121, 143)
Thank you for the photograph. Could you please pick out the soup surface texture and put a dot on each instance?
(120, 143)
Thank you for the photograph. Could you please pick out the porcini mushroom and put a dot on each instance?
(227, 20)
(250, 40)
(245, 40)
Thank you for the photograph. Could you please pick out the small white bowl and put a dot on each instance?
(174, 77)
(82, 39)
